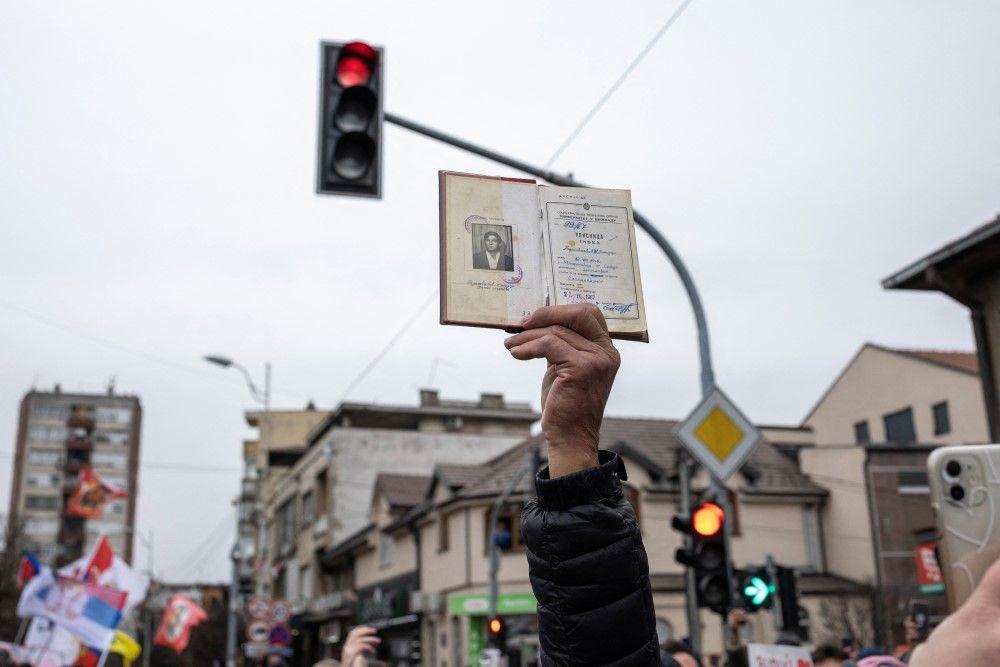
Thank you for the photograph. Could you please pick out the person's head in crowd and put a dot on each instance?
(828, 655)
(850, 646)
(682, 654)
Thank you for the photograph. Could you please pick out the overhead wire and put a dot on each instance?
(618, 82)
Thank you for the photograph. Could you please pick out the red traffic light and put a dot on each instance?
(496, 626)
(707, 520)
(357, 60)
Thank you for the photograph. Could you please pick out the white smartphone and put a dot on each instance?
(965, 493)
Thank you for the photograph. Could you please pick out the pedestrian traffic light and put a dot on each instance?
(756, 588)
(707, 555)
(788, 598)
(350, 123)
(497, 632)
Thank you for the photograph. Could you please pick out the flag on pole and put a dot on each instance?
(181, 615)
(51, 645)
(102, 566)
(89, 611)
(92, 494)
(30, 566)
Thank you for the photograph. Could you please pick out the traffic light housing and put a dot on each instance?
(350, 119)
(755, 588)
(707, 555)
(788, 598)
(496, 630)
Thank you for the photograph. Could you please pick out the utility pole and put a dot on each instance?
(707, 377)
(246, 505)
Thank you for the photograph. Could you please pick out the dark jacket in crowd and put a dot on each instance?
(589, 571)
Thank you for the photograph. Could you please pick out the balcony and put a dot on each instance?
(78, 444)
(81, 419)
(74, 465)
(325, 604)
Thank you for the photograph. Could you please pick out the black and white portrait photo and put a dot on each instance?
(492, 248)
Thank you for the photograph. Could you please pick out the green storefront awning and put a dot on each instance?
(479, 604)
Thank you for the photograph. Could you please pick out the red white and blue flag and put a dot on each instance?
(89, 611)
(102, 566)
(30, 566)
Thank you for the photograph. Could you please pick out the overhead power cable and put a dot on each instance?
(618, 82)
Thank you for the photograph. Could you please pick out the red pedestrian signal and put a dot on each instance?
(708, 519)
(705, 553)
(350, 131)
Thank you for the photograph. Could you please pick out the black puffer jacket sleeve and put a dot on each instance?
(589, 570)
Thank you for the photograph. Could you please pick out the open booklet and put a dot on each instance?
(510, 246)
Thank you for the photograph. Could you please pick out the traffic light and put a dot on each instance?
(707, 555)
(497, 632)
(350, 122)
(756, 588)
(788, 598)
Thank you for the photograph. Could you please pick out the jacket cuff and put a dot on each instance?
(582, 487)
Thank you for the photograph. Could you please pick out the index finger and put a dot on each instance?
(584, 318)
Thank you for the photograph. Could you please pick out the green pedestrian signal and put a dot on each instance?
(757, 588)
(757, 591)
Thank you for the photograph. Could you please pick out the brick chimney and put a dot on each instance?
(429, 397)
(491, 401)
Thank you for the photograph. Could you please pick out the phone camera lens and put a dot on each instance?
(956, 492)
(953, 468)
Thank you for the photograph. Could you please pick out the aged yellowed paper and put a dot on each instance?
(491, 253)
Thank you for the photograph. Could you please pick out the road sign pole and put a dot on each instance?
(707, 375)
(684, 465)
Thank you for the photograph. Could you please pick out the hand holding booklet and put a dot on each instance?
(510, 246)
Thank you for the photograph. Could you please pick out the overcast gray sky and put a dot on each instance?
(156, 193)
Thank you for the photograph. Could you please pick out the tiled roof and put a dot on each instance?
(403, 491)
(653, 443)
(963, 361)
(457, 475)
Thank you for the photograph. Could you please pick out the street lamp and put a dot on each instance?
(250, 471)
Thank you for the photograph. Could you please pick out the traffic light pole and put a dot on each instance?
(704, 350)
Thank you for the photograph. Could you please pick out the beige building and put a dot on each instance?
(873, 429)
(968, 270)
(432, 559)
(317, 492)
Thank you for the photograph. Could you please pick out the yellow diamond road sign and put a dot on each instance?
(718, 435)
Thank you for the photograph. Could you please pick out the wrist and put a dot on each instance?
(568, 457)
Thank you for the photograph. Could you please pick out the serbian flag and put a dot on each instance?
(91, 495)
(181, 615)
(30, 566)
(89, 611)
(102, 566)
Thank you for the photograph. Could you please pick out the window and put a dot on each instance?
(43, 458)
(913, 483)
(443, 533)
(453, 423)
(508, 533)
(41, 502)
(115, 438)
(306, 583)
(41, 526)
(109, 460)
(899, 427)
(120, 416)
(308, 509)
(942, 424)
(286, 523)
(54, 412)
(861, 434)
(41, 479)
(47, 434)
(321, 491)
(386, 550)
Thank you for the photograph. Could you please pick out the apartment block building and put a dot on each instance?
(58, 434)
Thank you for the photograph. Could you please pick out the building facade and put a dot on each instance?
(319, 494)
(58, 434)
(431, 560)
(874, 428)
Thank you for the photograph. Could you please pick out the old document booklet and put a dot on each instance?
(509, 246)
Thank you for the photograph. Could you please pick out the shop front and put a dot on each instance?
(519, 612)
(386, 606)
